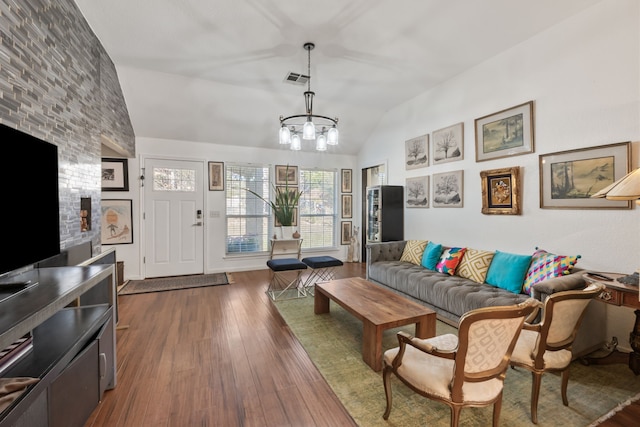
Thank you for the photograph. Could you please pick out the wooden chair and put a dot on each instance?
(285, 279)
(464, 370)
(546, 346)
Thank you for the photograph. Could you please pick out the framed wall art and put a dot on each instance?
(417, 152)
(505, 133)
(115, 174)
(216, 176)
(447, 189)
(286, 175)
(448, 144)
(294, 223)
(346, 180)
(345, 234)
(417, 192)
(347, 206)
(568, 179)
(116, 222)
(501, 191)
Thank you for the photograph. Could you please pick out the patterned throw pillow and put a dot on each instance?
(449, 260)
(545, 265)
(475, 264)
(413, 251)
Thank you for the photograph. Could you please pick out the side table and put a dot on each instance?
(622, 295)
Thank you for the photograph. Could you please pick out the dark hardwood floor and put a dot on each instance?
(215, 356)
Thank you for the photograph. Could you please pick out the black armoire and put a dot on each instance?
(385, 213)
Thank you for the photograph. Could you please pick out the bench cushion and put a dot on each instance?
(316, 262)
(286, 264)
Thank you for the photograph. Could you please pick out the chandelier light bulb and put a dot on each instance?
(295, 142)
(285, 135)
(321, 143)
(308, 130)
(332, 136)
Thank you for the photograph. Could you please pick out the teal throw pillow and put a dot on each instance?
(431, 255)
(507, 271)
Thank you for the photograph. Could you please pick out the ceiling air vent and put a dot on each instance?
(296, 78)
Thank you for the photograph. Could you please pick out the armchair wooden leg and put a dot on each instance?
(497, 407)
(535, 393)
(565, 383)
(386, 378)
(455, 415)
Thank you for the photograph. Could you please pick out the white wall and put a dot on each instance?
(584, 78)
(215, 232)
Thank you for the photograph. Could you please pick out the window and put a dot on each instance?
(167, 179)
(317, 208)
(247, 216)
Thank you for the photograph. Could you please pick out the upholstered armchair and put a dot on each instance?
(464, 370)
(546, 346)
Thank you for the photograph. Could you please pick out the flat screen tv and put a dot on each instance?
(30, 213)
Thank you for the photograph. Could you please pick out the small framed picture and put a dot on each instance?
(505, 133)
(448, 144)
(116, 222)
(416, 152)
(345, 235)
(347, 206)
(115, 174)
(568, 179)
(501, 191)
(417, 192)
(447, 189)
(216, 176)
(286, 175)
(346, 180)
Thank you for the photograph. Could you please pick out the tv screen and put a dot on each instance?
(30, 213)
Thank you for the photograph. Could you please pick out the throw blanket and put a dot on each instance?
(12, 388)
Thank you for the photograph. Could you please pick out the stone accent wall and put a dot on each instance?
(58, 83)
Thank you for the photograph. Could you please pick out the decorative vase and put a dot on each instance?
(296, 235)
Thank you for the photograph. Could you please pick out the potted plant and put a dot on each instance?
(283, 206)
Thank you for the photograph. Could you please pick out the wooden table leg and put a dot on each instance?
(320, 302)
(426, 326)
(372, 345)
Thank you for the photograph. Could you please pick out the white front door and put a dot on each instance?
(173, 217)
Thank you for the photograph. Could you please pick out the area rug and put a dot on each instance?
(615, 410)
(174, 283)
(333, 342)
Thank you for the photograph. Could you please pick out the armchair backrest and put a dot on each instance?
(486, 338)
(561, 318)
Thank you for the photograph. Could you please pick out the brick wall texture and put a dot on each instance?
(58, 83)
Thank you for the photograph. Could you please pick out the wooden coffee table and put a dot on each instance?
(377, 308)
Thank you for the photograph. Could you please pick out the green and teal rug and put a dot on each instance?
(333, 341)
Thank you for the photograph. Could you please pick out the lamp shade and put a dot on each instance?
(626, 188)
(285, 135)
(295, 142)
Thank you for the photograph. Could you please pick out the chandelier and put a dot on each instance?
(308, 126)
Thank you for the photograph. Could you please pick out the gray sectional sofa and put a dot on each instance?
(450, 296)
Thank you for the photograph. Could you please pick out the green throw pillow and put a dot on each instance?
(507, 271)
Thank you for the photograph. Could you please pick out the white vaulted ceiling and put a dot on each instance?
(213, 70)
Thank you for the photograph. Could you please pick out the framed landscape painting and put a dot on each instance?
(216, 176)
(568, 179)
(417, 152)
(286, 175)
(447, 189)
(417, 192)
(501, 191)
(505, 133)
(448, 144)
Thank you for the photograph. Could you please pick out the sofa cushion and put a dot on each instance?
(413, 251)
(507, 271)
(475, 264)
(431, 255)
(545, 265)
(449, 260)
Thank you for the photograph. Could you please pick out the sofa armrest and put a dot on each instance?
(572, 281)
(386, 251)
